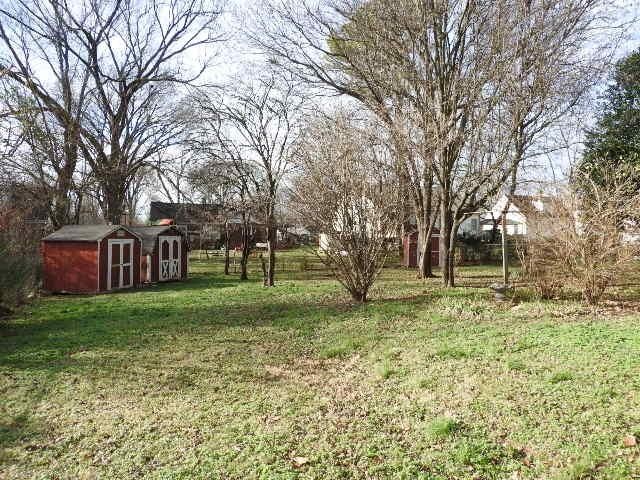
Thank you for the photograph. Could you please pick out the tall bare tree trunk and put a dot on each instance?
(447, 245)
(226, 247)
(426, 232)
(244, 259)
(272, 238)
(246, 247)
(114, 188)
(424, 252)
(114, 208)
(61, 209)
(426, 265)
(271, 253)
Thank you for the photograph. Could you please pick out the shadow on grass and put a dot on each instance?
(206, 308)
(22, 427)
(46, 335)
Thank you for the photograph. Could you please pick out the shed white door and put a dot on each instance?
(120, 261)
(170, 257)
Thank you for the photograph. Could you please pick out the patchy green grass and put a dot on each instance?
(442, 427)
(217, 379)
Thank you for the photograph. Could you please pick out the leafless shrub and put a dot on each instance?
(586, 237)
(539, 270)
(19, 256)
(345, 189)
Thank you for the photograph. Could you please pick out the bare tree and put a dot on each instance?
(138, 186)
(224, 174)
(345, 188)
(38, 67)
(132, 53)
(255, 125)
(551, 38)
(215, 182)
(435, 72)
(40, 161)
(343, 46)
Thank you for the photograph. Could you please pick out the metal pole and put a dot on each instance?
(505, 252)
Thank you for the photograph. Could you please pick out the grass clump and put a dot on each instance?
(442, 427)
(453, 353)
(585, 467)
(385, 369)
(427, 383)
(340, 349)
(516, 365)
(559, 377)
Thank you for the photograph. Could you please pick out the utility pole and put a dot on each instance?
(505, 253)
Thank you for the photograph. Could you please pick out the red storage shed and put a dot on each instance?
(410, 249)
(164, 253)
(91, 259)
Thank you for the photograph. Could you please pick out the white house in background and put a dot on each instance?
(519, 215)
(323, 242)
(471, 226)
(522, 209)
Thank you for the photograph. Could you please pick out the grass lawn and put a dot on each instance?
(217, 379)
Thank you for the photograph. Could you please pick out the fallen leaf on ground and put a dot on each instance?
(299, 461)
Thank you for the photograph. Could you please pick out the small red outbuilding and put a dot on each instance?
(91, 259)
(164, 253)
(410, 249)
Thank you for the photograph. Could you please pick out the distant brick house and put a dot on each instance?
(198, 220)
(204, 223)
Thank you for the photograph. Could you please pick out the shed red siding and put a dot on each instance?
(70, 267)
(410, 250)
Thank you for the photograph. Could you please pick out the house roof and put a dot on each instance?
(183, 212)
(148, 235)
(84, 233)
(527, 203)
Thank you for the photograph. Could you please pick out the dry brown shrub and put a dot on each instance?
(347, 190)
(541, 273)
(583, 238)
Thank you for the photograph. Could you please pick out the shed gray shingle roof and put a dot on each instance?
(83, 233)
(150, 234)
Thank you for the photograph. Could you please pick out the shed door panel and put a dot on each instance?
(170, 258)
(175, 259)
(115, 265)
(164, 259)
(126, 264)
(120, 264)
